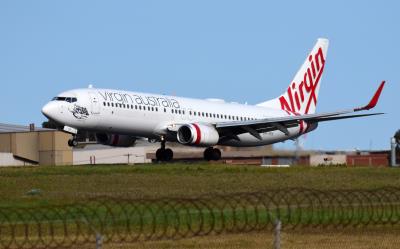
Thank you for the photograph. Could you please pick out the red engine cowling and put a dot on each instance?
(115, 140)
(197, 134)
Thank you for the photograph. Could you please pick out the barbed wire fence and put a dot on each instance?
(124, 220)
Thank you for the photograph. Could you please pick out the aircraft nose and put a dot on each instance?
(49, 110)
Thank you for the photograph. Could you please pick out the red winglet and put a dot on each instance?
(372, 103)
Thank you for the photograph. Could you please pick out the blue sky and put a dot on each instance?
(245, 51)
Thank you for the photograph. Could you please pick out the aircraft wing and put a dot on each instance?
(255, 127)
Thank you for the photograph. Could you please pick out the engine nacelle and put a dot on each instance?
(115, 139)
(197, 134)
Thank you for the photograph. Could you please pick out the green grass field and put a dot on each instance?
(67, 184)
(58, 185)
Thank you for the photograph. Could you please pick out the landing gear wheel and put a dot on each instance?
(212, 154)
(164, 155)
(168, 155)
(160, 155)
(216, 154)
(72, 142)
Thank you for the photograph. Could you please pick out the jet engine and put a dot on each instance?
(115, 139)
(197, 134)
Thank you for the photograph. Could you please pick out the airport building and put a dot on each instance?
(22, 145)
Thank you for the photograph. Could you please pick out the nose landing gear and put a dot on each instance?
(72, 142)
(212, 154)
(163, 154)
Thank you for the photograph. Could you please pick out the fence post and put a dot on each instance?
(277, 234)
(393, 154)
(99, 241)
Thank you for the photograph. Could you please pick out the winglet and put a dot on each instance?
(372, 103)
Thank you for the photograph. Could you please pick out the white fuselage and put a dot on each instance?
(148, 115)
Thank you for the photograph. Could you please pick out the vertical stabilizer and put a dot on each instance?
(302, 94)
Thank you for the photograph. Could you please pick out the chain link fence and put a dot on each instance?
(102, 221)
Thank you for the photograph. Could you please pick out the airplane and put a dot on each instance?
(119, 117)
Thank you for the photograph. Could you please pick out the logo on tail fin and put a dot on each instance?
(303, 95)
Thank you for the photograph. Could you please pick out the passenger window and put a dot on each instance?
(165, 110)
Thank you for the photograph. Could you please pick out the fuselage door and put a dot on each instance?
(94, 103)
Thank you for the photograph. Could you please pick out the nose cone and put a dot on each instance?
(50, 110)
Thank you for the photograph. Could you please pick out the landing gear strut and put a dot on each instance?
(212, 154)
(163, 154)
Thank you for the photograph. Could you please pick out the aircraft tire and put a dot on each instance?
(216, 154)
(72, 143)
(164, 155)
(168, 155)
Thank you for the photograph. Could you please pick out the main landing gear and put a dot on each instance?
(163, 154)
(212, 154)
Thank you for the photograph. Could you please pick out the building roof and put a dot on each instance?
(7, 128)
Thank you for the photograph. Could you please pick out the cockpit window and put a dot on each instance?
(67, 99)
